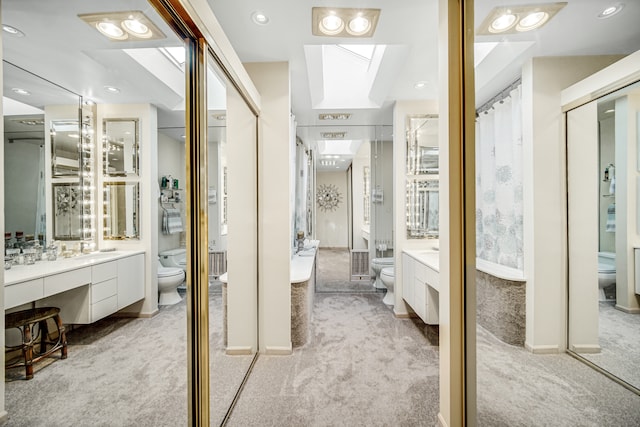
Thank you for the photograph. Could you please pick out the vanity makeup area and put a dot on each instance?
(60, 148)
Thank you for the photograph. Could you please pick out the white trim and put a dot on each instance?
(542, 349)
(628, 310)
(500, 271)
(441, 420)
(585, 348)
(239, 351)
(278, 351)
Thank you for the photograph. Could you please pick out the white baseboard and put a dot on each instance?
(542, 349)
(441, 420)
(239, 351)
(278, 351)
(585, 348)
(628, 310)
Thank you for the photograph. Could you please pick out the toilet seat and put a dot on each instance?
(383, 261)
(169, 271)
(388, 272)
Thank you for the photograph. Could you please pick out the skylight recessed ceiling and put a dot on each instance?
(352, 76)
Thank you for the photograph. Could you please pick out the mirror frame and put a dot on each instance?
(108, 213)
(106, 148)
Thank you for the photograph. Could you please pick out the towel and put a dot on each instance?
(612, 186)
(171, 221)
(611, 218)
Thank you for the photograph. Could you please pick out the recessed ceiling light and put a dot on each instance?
(344, 22)
(514, 19)
(124, 26)
(111, 30)
(503, 22)
(12, 30)
(112, 89)
(358, 25)
(420, 85)
(259, 18)
(20, 91)
(609, 11)
(532, 21)
(136, 27)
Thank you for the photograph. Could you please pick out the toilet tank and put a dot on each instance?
(174, 258)
(607, 259)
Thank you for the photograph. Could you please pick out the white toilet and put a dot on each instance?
(606, 272)
(388, 277)
(377, 264)
(171, 274)
(169, 278)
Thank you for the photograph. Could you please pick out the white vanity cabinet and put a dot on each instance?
(420, 284)
(84, 289)
(130, 280)
(104, 290)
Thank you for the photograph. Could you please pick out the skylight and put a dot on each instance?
(363, 50)
(177, 55)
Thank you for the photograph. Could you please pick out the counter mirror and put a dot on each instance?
(65, 147)
(422, 144)
(120, 147)
(422, 183)
(67, 211)
(121, 216)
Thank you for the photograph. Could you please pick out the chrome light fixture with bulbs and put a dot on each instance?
(518, 19)
(344, 22)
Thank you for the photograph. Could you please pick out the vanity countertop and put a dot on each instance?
(302, 263)
(428, 257)
(22, 273)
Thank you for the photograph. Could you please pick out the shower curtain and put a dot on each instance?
(499, 194)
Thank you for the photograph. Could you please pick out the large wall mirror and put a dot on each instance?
(41, 124)
(120, 147)
(604, 188)
(121, 205)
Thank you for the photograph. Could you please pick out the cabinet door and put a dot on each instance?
(130, 280)
(407, 279)
(420, 298)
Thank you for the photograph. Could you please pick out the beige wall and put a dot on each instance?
(544, 191)
(274, 188)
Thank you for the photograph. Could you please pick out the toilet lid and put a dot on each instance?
(385, 260)
(169, 271)
(388, 271)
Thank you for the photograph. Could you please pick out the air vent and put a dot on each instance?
(360, 265)
(333, 135)
(334, 116)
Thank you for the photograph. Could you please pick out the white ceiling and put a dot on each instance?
(62, 49)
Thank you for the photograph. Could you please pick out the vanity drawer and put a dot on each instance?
(104, 308)
(103, 290)
(23, 292)
(104, 271)
(64, 281)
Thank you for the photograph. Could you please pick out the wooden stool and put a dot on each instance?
(25, 321)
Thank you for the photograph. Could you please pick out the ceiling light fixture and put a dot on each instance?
(334, 116)
(344, 22)
(420, 85)
(12, 30)
(130, 25)
(333, 135)
(328, 162)
(112, 89)
(518, 19)
(20, 91)
(259, 18)
(609, 11)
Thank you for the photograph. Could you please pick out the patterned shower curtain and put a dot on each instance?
(499, 194)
